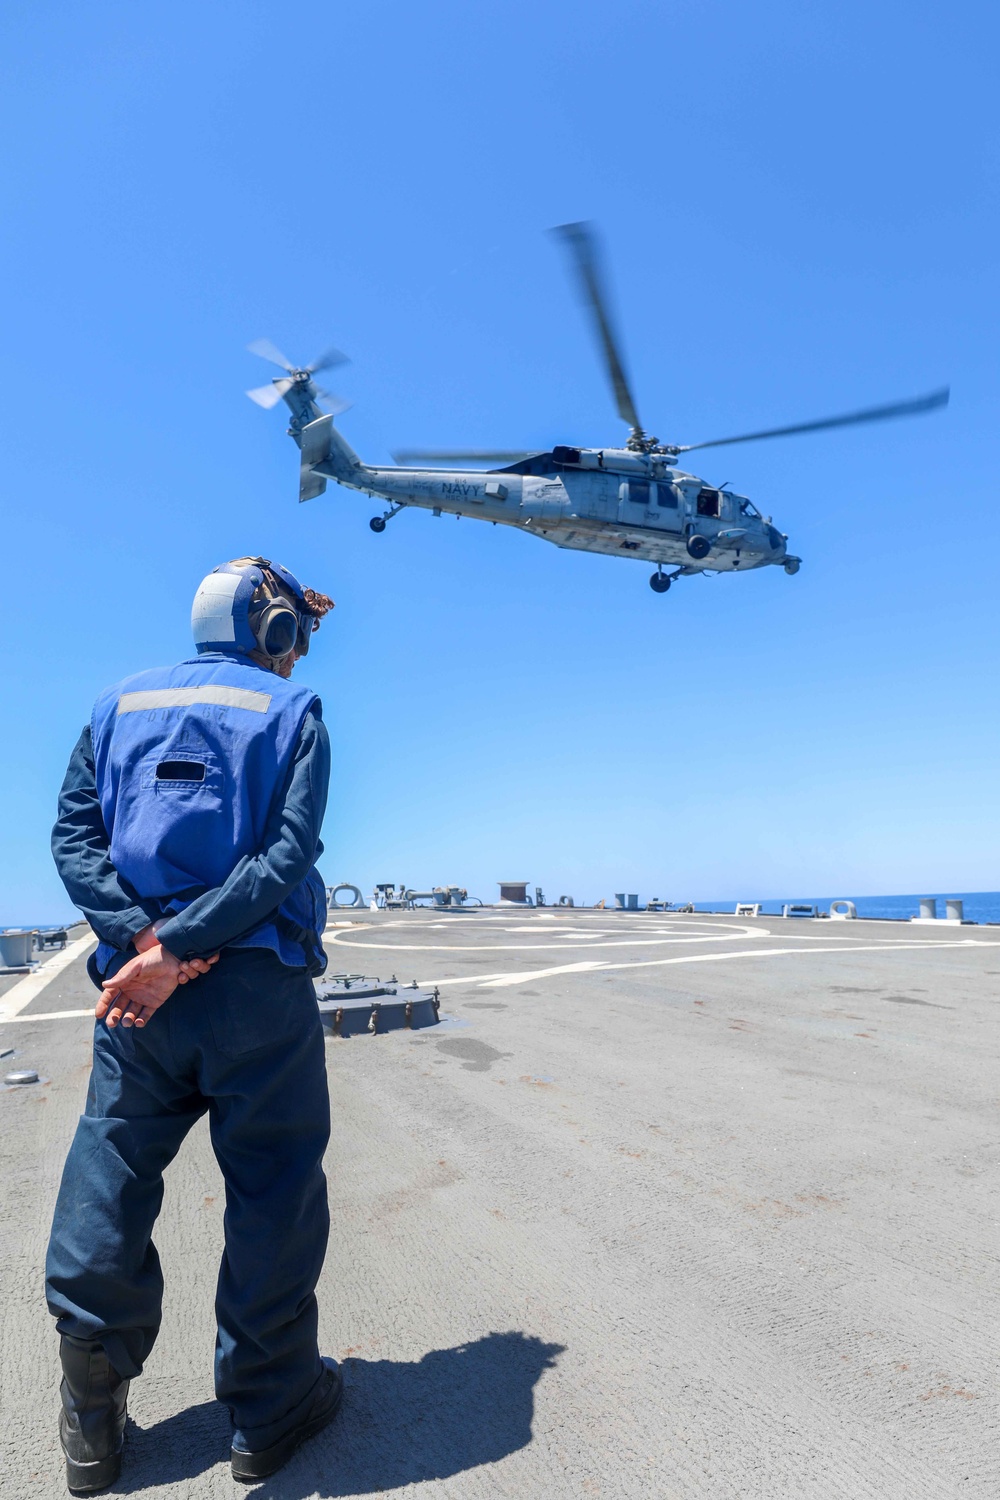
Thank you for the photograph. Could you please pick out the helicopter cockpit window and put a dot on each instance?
(708, 502)
(747, 508)
(638, 491)
(666, 496)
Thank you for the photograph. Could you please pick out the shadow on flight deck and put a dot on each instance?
(401, 1423)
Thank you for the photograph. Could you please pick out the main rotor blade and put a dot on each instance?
(269, 395)
(871, 414)
(583, 246)
(271, 352)
(327, 360)
(461, 456)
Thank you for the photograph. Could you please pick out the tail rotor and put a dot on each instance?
(269, 395)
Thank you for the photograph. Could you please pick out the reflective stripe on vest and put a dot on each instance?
(187, 697)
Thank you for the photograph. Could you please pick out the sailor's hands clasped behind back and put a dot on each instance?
(141, 986)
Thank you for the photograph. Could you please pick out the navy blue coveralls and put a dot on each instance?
(244, 1044)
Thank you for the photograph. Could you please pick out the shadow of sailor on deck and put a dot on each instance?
(402, 1422)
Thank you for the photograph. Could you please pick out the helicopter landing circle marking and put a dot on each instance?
(642, 937)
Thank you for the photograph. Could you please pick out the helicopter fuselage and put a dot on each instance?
(622, 502)
(612, 501)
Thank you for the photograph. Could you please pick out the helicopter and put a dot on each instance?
(632, 500)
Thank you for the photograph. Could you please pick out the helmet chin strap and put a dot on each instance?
(275, 663)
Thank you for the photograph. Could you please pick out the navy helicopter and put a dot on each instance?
(630, 501)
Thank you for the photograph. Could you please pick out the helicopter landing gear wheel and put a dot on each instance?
(377, 523)
(698, 547)
(659, 583)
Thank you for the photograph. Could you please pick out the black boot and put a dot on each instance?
(92, 1421)
(253, 1466)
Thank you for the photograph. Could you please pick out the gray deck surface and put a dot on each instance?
(672, 1207)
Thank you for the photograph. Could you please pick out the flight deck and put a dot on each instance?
(663, 1206)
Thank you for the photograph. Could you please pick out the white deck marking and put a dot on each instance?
(717, 958)
(21, 994)
(53, 1015)
(532, 926)
(502, 979)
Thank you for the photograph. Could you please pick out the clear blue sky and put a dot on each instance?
(799, 207)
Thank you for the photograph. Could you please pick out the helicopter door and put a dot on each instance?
(669, 511)
(634, 501)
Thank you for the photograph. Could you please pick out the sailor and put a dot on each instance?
(188, 832)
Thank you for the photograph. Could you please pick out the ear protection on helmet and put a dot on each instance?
(277, 628)
(306, 621)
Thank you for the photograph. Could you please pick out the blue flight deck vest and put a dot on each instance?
(189, 760)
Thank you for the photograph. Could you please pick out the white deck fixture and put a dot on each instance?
(843, 911)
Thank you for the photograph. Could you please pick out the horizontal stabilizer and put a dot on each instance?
(314, 447)
(310, 485)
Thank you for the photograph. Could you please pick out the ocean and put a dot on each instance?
(980, 906)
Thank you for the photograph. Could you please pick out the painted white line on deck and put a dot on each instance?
(543, 973)
(500, 981)
(21, 994)
(52, 1015)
